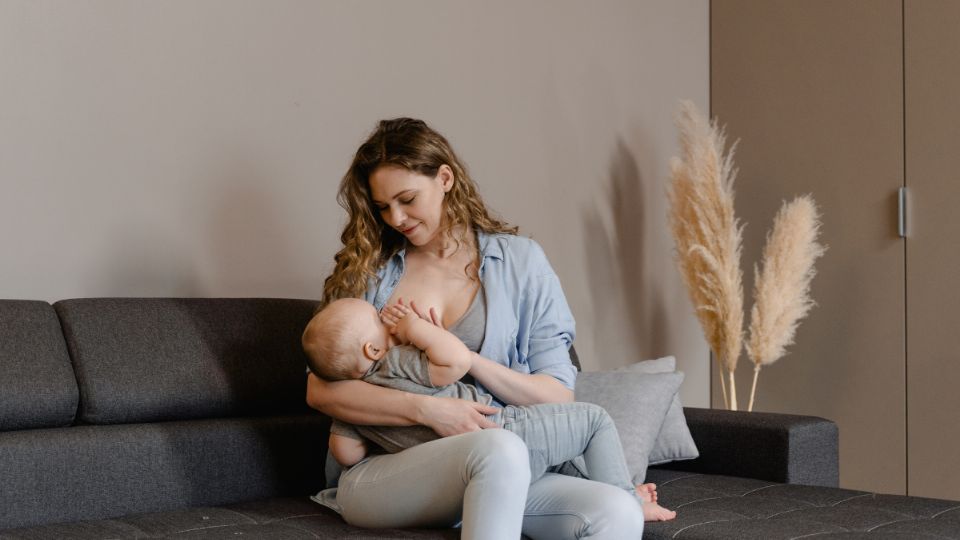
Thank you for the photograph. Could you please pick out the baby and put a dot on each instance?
(398, 349)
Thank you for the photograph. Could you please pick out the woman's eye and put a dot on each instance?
(408, 201)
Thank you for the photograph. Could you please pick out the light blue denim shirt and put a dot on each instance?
(529, 327)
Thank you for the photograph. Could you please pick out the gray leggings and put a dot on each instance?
(483, 479)
(558, 432)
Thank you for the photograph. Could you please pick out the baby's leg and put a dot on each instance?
(559, 432)
(556, 433)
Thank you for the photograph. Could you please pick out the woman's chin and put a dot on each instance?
(416, 238)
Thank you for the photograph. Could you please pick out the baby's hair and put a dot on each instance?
(330, 343)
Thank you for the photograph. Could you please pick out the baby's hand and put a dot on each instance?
(398, 318)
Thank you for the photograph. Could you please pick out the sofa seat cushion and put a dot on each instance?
(725, 507)
(37, 385)
(284, 518)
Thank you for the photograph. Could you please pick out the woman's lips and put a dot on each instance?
(410, 230)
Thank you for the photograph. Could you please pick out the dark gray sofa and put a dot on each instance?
(185, 418)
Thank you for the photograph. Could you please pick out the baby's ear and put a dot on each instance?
(373, 352)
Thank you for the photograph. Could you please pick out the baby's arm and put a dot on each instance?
(449, 358)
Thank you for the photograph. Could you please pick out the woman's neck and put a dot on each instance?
(444, 246)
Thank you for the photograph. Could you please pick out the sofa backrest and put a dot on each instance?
(37, 386)
(154, 359)
(160, 404)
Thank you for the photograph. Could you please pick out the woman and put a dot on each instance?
(418, 230)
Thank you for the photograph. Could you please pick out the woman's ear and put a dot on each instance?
(445, 175)
(373, 352)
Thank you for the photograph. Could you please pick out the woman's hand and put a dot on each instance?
(452, 416)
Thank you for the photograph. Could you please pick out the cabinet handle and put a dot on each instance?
(902, 212)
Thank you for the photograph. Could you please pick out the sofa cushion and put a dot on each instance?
(637, 403)
(153, 359)
(727, 507)
(37, 385)
(97, 472)
(674, 442)
(283, 518)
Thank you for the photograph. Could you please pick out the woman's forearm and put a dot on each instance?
(361, 403)
(518, 388)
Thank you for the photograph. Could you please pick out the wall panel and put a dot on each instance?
(813, 90)
(932, 84)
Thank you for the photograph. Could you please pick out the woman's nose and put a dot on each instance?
(396, 216)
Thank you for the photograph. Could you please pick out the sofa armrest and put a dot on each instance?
(766, 446)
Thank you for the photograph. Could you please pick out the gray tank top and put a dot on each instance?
(473, 323)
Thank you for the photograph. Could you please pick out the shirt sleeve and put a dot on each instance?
(403, 362)
(551, 326)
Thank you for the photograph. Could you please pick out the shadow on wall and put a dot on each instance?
(619, 279)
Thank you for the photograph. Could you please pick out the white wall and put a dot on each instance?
(194, 148)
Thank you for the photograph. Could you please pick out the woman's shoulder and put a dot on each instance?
(512, 244)
(516, 249)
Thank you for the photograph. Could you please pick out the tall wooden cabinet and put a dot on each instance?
(850, 100)
(932, 105)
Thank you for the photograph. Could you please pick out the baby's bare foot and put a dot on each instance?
(647, 492)
(654, 512)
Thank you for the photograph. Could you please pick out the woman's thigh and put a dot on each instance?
(568, 508)
(424, 486)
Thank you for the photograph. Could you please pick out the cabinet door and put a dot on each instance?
(932, 91)
(813, 90)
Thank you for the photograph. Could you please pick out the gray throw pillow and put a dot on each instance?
(674, 442)
(638, 404)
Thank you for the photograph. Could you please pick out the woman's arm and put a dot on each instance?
(357, 402)
(518, 388)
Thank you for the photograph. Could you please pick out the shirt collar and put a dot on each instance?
(489, 248)
(400, 257)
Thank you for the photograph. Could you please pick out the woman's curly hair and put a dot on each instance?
(367, 241)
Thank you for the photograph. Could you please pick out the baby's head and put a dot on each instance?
(344, 339)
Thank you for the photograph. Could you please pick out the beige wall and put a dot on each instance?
(194, 148)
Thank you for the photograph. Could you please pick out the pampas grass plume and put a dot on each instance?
(782, 287)
(708, 236)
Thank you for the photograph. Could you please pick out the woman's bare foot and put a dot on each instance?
(647, 492)
(654, 512)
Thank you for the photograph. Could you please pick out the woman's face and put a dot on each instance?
(410, 202)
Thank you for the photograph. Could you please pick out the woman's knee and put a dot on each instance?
(500, 452)
(617, 516)
(563, 507)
